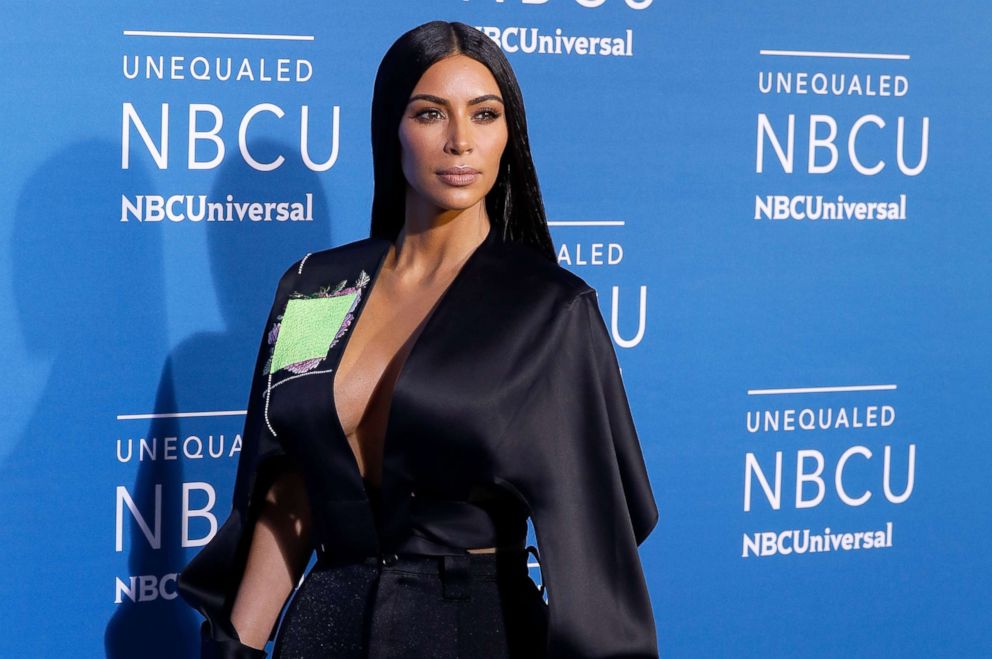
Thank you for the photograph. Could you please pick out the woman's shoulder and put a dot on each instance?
(339, 260)
(525, 268)
(510, 270)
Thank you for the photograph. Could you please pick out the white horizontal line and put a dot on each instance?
(819, 390)
(586, 223)
(218, 35)
(180, 415)
(819, 53)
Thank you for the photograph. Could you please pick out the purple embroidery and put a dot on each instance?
(302, 367)
(346, 323)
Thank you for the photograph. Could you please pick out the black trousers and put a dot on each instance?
(476, 606)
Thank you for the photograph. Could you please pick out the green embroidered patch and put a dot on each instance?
(308, 327)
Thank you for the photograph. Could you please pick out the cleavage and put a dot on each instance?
(382, 339)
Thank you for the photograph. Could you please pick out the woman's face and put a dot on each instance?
(454, 119)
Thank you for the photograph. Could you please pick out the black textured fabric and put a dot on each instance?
(416, 607)
(233, 648)
(509, 405)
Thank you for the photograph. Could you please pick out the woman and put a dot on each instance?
(418, 394)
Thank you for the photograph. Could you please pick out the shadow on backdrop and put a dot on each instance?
(213, 370)
(90, 298)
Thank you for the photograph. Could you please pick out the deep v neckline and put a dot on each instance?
(425, 326)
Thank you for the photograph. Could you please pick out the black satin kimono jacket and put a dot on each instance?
(510, 404)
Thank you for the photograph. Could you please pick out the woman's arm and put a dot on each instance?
(279, 553)
(212, 579)
(573, 456)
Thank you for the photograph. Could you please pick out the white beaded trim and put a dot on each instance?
(268, 394)
(299, 270)
(268, 388)
(299, 375)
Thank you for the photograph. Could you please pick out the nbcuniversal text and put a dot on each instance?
(802, 541)
(196, 208)
(820, 138)
(824, 465)
(813, 207)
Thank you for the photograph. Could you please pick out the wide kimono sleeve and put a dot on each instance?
(210, 581)
(573, 456)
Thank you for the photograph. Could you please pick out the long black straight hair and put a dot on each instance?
(514, 205)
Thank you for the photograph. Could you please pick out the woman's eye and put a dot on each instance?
(489, 114)
(430, 115)
(422, 115)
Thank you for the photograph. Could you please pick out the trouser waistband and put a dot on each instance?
(456, 571)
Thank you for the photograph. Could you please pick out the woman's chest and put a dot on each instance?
(446, 396)
(427, 415)
(409, 392)
(373, 358)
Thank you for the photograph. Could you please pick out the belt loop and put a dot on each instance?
(456, 576)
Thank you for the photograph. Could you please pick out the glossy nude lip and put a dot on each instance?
(458, 176)
(458, 179)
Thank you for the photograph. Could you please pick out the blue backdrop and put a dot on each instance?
(784, 207)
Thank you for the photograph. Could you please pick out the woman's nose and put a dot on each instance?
(458, 136)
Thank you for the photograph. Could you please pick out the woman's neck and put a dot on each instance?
(431, 246)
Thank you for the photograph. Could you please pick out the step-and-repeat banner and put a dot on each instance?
(784, 207)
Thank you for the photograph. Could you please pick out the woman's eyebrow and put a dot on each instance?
(442, 101)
